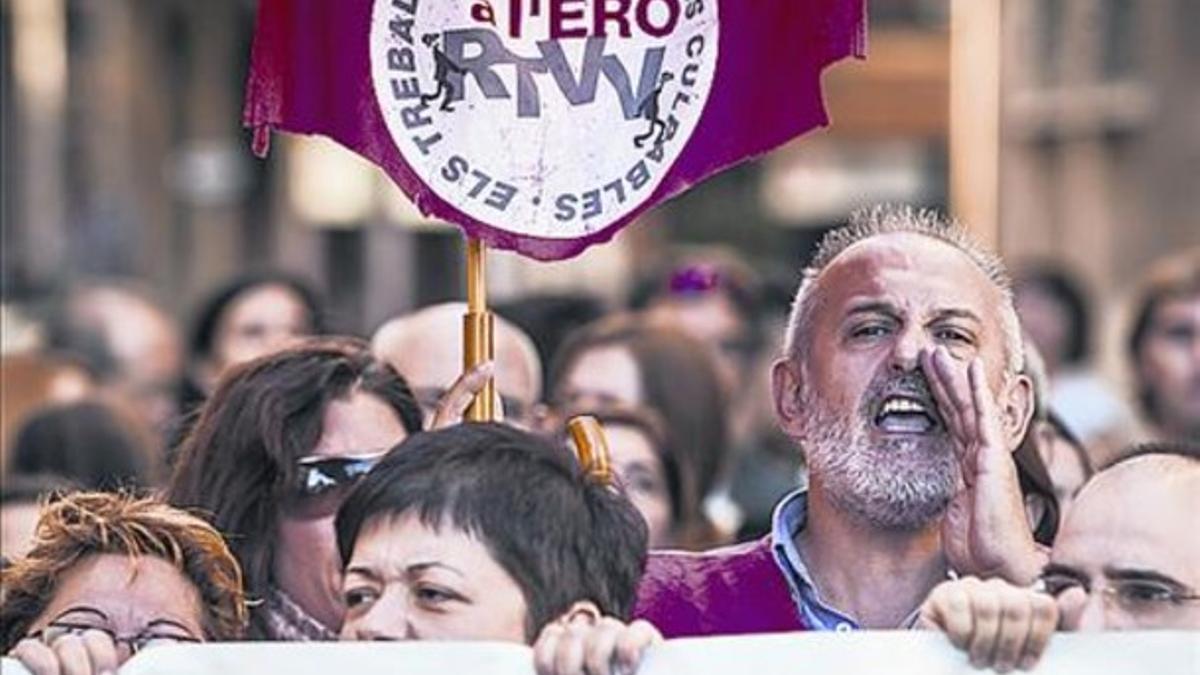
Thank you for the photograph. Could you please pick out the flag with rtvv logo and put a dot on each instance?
(544, 126)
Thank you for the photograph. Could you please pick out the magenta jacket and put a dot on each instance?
(727, 591)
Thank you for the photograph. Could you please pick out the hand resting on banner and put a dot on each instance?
(894, 652)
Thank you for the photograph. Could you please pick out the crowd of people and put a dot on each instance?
(916, 441)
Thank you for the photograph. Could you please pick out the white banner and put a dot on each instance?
(893, 653)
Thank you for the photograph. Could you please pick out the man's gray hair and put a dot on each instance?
(899, 219)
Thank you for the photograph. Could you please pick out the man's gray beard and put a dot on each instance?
(896, 484)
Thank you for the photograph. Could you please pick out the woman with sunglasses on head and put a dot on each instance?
(271, 457)
(112, 574)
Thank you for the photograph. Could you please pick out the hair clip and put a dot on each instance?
(694, 279)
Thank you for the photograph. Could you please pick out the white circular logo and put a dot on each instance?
(544, 118)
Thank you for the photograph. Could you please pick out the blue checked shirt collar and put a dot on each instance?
(789, 520)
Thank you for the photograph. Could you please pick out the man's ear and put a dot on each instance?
(583, 612)
(786, 385)
(1017, 409)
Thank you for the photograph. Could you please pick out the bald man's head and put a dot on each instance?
(1132, 529)
(426, 348)
(134, 346)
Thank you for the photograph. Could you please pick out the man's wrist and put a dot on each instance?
(1025, 569)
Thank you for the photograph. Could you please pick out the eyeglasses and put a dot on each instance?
(322, 483)
(146, 639)
(1135, 596)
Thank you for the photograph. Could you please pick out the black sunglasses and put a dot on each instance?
(322, 483)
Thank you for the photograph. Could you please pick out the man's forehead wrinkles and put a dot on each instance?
(857, 276)
(886, 304)
(862, 304)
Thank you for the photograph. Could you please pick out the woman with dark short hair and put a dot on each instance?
(484, 532)
(271, 457)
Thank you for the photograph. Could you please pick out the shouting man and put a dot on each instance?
(901, 380)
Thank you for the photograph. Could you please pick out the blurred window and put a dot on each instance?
(1049, 21)
(1121, 21)
(922, 13)
(1189, 18)
(440, 269)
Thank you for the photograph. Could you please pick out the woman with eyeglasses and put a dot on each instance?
(273, 454)
(112, 574)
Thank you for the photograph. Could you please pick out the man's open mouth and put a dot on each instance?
(906, 415)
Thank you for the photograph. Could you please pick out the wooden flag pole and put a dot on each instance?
(591, 446)
(478, 345)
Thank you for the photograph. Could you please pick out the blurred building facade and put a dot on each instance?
(124, 155)
(1100, 133)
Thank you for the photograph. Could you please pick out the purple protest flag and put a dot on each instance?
(544, 126)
